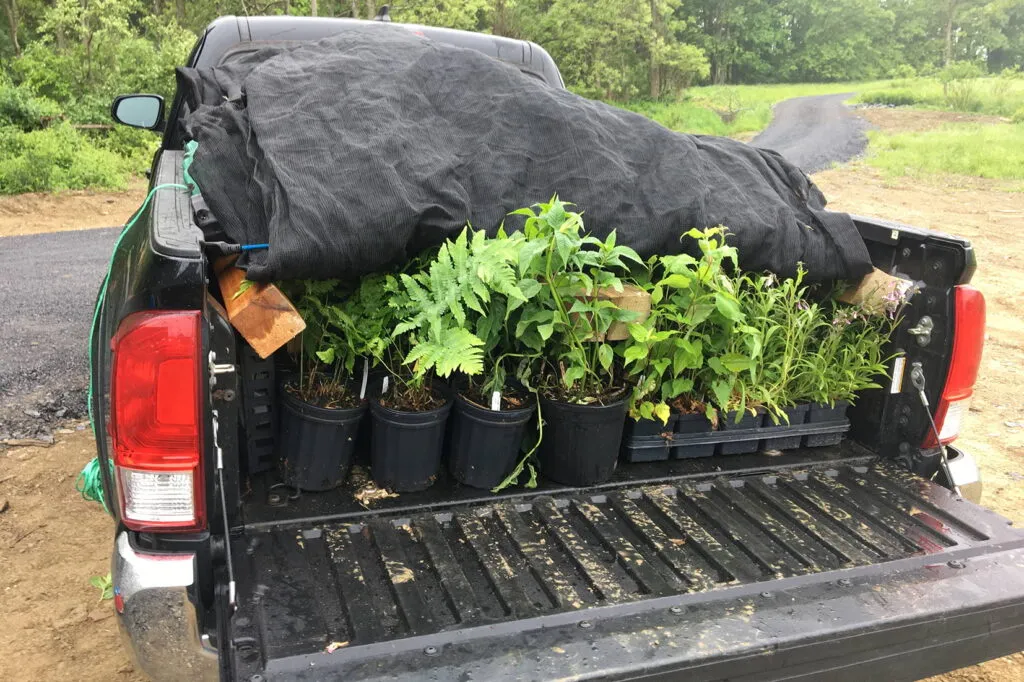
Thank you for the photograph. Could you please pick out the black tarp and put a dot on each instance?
(360, 150)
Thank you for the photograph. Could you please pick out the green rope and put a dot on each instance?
(90, 483)
(92, 486)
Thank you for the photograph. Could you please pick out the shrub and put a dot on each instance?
(56, 158)
(903, 71)
(1018, 116)
(959, 85)
(892, 98)
(19, 108)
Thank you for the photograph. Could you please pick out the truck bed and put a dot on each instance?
(721, 574)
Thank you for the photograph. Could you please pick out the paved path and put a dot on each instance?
(814, 132)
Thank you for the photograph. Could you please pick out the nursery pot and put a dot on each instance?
(485, 443)
(797, 416)
(693, 423)
(648, 429)
(405, 451)
(317, 442)
(747, 421)
(580, 445)
(823, 412)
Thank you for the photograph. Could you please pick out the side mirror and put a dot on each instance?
(139, 111)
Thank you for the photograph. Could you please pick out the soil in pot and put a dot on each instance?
(823, 412)
(485, 443)
(747, 421)
(692, 424)
(580, 444)
(648, 429)
(797, 416)
(317, 440)
(406, 443)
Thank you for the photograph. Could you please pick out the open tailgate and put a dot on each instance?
(844, 571)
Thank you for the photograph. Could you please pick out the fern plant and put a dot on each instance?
(454, 314)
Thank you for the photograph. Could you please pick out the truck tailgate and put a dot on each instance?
(837, 570)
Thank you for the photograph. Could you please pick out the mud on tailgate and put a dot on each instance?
(348, 596)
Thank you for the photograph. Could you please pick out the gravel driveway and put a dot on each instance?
(815, 132)
(48, 284)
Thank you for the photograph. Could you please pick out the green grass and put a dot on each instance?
(993, 151)
(995, 95)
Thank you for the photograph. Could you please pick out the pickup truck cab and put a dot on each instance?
(852, 561)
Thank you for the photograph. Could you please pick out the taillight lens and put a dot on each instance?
(968, 341)
(156, 421)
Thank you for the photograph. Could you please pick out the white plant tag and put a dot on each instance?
(496, 401)
(384, 386)
(366, 378)
(898, 367)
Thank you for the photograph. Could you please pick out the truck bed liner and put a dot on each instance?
(378, 585)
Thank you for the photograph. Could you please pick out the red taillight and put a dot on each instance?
(968, 341)
(156, 421)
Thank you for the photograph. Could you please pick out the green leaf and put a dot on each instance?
(243, 287)
(675, 281)
(639, 332)
(662, 412)
(729, 308)
(572, 375)
(734, 362)
(326, 355)
(634, 353)
(546, 330)
(605, 355)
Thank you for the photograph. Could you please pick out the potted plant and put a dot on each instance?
(693, 310)
(582, 393)
(321, 409)
(408, 407)
(471, 292)
(849, 357)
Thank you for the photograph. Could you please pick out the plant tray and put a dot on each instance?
(643, 448)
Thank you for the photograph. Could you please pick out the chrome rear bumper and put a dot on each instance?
(155, 615)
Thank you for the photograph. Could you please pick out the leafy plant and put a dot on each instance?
(458, 309)
(105, 584)
(846, 355)
(786, 321)
(566, 320)
(342, 326)
(693, 347)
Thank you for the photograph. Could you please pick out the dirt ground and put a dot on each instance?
(77, 210)
(899, 120)
(52, 541)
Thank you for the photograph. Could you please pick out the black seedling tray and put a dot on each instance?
(636, 448)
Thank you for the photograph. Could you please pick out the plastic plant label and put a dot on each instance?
(366, 378)
(496, 401)
(898, 366)
(384, 386)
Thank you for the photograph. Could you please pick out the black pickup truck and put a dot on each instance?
(857, 561)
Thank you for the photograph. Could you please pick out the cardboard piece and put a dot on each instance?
(877, 292)
(631, 298)
(261, 313)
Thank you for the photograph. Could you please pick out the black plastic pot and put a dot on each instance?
(317, 442)
(693, 424)
(797, 415)
(747, 421)
(485, 443)
(405, 450)
(823, 412)
(581, 442)
(647, 428)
